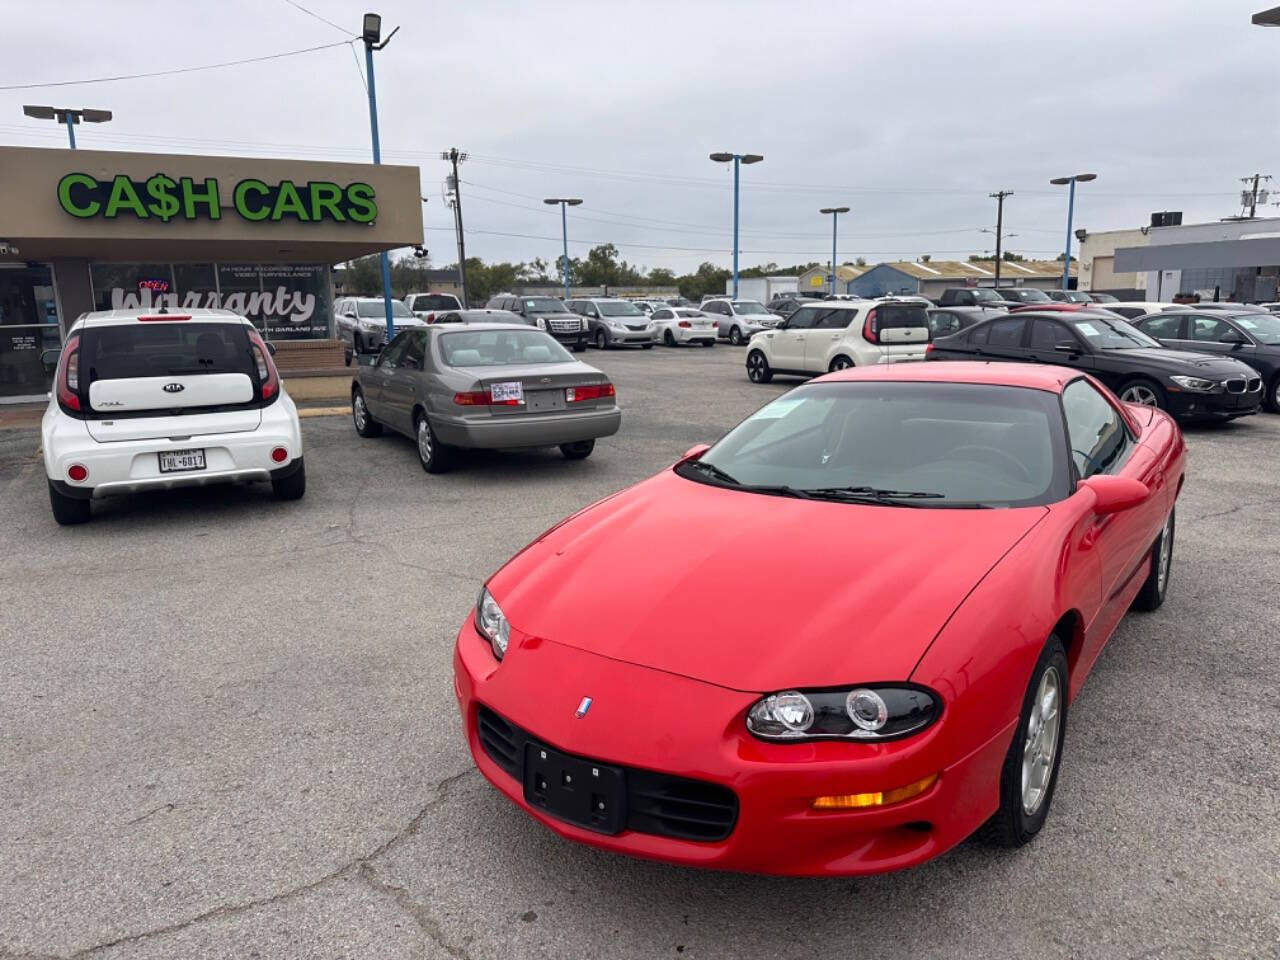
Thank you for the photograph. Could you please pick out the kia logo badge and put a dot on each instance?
(173, 388)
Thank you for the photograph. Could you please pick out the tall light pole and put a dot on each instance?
(999, 197)
(835, 216)
(738, 159)
(565, 203)
(371, 34)
(1071, 205)
(68, 115)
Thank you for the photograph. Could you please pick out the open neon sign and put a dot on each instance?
(155, 286)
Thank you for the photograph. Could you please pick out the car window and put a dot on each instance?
(1099, 441)
(376, 308)
(943, 323)
(1047, 334)
(1006, 332)
(389, 358)
(135, 350)
(619, 308)
(804, 318)
(488, 348)
(1166, 327)
(832, 319)
(415, 349)
(978, 334)
(662, 315)
(1106, 333)
(748, 307)
(1209, 329)
(1263, 327)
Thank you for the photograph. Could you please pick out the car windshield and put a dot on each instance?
(128, 351)
(1103, 298)
(491, 348)
(1111, 333)
(435, 301)
(1263, 327)
(1026, 295)
(618, 308)
(690, 313)
(376, 308)
(898, 443)
(542, 305)
(981, 295)
(748, 307)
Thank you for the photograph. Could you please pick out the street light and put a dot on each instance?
(565, 203)
(69, 116)
(371, 34)
(835, 216)
(1071, 204)
(738, 159)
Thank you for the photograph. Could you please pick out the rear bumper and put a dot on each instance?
(528, 430)
(693, 334)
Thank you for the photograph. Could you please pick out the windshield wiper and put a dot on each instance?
(898, 498)
(713, 470)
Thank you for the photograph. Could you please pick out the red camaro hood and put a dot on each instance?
(754, 592)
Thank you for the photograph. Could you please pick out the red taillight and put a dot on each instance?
(684, 323)
(929, 349)
(68, 377)
(870, 328)
(267, 375)
(152, 317)
(595, 391)
(431, 318)
(76, 473)
(482, 398)
(279, 454)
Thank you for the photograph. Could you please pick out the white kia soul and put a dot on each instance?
(154, 400)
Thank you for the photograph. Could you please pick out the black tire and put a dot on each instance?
(1012, 825)
(291, 487)
(1272, 400)
(735, 335)
(68, 511)
(668, 338)
(578, 450)
(348, 354)
(602, 339)
(840, 362)
(758, 370)
(434, 456)
(1156, 587)
(580, 347)
(1141, 386)
(366, 426)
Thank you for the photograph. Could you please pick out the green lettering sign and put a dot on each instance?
(288, 202)
(324, 200)
(83, 207)
(248, 200)
(207, 196)
(360, 205)
(124, 197)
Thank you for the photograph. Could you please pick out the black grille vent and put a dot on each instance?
(657, 803)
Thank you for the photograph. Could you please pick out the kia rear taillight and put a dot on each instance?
(430, 318)
(597, 391)
(267, 375)
(68, 377)
(871, 328)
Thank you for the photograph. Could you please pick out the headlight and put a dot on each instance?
(1195, 384)
(492, 623)
(540, 323)
(616, 324)
(857, 713)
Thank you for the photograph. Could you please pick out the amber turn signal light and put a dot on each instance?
(857, 801)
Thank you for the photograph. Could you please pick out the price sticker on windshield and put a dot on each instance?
(511, 391)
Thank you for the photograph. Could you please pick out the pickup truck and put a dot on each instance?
(973, 297)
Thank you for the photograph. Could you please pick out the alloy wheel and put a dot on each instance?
(1140, 393)
(1040, 750)
(359, 413)
(735, 336)
(1165, 558)
(840, 363)
(755, 367)
(425, 449)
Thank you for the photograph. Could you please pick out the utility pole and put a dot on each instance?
(1249, 197)
(454, 156)
(998, 197)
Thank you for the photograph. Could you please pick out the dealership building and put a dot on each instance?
(88, 230)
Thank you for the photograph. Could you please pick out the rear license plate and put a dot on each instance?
(176, 461)
(583, 792)
(542, 400)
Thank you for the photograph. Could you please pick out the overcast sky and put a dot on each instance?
(908, 113)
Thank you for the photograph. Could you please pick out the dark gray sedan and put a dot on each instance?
(484, 385)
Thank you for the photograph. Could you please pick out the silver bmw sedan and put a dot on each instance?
(483, 385)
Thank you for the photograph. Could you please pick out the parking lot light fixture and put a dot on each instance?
(565, 203)
(1267, 18)
(372, 34)
(738, 159)
(1071, 203)
(68, 115)
(835, 217)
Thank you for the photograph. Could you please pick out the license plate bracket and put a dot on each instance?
(182, 461)
(583, 792)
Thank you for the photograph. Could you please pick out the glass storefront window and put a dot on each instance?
(28, 327)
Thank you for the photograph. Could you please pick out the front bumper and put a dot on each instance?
(623, 337)
(497, 431)
(133, 466)
(1187, 405)
(641, 719)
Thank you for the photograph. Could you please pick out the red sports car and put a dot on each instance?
(840, 640)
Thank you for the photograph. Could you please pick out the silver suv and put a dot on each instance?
(361, 324)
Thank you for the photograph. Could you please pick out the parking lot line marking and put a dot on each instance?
(322, 411)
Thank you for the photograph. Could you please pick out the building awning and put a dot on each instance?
(1255, 252)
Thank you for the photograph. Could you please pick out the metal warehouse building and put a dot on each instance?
(930, 278)
(1226, 260)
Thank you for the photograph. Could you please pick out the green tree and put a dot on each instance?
(926, 257)
(708, 278)
(662, 277)
(860, 262)
(363, 277)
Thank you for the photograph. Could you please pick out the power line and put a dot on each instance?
(175, 71)
(311, 13)
(360, 70)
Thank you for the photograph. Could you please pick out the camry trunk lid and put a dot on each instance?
(541, 388)
(753, 592)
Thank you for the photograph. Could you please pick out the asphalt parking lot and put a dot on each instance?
(227, 729)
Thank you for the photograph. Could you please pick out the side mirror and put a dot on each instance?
(1232, 337)
(1115, 494)
(782, 324)
(50, 359)
(694, 452)
(271, 348)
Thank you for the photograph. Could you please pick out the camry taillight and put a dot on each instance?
(267, 375)
(482, 398)
(871, 328)
(68, 378)
(591, 392)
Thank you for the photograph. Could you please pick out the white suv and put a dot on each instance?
(150, 401)
(836, 334)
